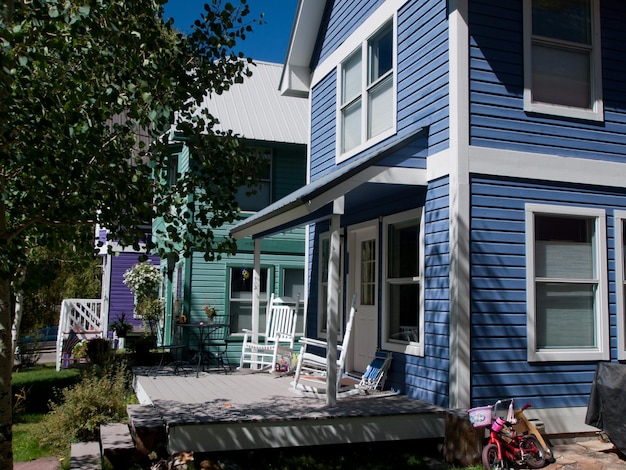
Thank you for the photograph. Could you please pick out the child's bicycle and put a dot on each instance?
(506, 445)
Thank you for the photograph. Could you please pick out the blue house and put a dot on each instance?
(466, 180)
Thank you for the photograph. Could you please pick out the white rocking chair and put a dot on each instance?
(279, 335)
(312, 366)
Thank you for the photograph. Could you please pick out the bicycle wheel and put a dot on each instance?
(532, 452)
(491, 460)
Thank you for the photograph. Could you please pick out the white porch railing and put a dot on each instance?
(84, 318)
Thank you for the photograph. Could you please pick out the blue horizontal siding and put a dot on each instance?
(497, 117)
(342, 17)
(498, 288)
(323, 126)
(426, 378)
(423, 71)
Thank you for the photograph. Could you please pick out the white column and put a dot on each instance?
(332, 326)
(256, 289)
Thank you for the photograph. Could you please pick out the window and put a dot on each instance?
(172, 170)
(403, 319)
(562, 58)
(241, 297)
(293, 286)
(620, 276)
(324, 247)
(366, 96)
(259, 196)
(567, 301)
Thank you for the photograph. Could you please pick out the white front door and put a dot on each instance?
(364, 281)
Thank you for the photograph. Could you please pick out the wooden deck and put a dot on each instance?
(239, 410)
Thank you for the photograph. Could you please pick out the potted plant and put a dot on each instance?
(143, 280)
(210, 311)
(121, 327)
(80, 351)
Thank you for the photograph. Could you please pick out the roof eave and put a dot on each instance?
(296, 76)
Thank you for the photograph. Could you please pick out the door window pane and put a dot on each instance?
(368, 272)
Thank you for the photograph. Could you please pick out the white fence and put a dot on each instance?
(82, 319)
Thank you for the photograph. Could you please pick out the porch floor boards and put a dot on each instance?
(254, 408)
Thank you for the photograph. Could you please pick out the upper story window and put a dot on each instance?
(367, 106)
(567, 304)
(562, 58)
(260, 196)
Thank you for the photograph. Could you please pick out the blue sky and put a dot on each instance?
(267, 42)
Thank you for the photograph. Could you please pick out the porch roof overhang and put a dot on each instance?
(313, 202)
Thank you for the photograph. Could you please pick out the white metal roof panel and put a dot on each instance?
(256, 110)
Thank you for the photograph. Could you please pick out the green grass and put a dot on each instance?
(26, 446)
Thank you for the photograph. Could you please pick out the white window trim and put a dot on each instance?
(229, 300)
(602, 351)
(596, 113)
(618, 221)
(363, 46)
(412, 348)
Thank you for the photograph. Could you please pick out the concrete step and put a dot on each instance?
(117, 445)
(85, 456)
(148, 430)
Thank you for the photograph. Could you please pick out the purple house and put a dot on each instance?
(117, 299)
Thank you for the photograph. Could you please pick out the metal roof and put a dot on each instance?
(256, 110)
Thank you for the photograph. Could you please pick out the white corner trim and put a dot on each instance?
(460, 378)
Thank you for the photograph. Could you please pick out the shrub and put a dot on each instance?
(35, 388)
(98, 399)
(98, 351)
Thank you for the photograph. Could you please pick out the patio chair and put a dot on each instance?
(376, 373)
(279, 335)
(311, 369)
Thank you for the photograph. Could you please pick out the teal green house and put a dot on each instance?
(276, 127)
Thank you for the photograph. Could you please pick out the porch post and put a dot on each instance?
(256, 289)
(332, 325)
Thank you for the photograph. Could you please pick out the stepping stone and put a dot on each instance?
(85, 456)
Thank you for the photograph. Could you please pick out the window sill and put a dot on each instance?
(566, 111)
(410, 349)
(568, 355)
(342, 157)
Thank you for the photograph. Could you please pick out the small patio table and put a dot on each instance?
(208, 334)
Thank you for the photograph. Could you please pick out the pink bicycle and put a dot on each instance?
(505, 445)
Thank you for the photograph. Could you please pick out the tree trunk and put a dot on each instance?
(17, 319)
(6, 362)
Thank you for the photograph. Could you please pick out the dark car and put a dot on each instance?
(49, 333)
